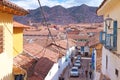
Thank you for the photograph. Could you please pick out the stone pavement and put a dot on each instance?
(85, 65)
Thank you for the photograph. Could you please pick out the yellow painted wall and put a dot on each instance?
(17, 40)
(6, 58)
(98, 47)
(107, 7)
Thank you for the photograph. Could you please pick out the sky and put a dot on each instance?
(33, 4)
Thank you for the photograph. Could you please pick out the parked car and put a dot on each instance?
(74, 72)
(78, 57)
(77, 63)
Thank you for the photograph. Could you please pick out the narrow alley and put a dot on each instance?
(85, 62)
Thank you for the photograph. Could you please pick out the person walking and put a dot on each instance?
(72, 60)
(86, 73)
(90, 74)
(82, 71)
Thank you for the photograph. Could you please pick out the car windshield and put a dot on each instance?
(78, 62)
(74, 70)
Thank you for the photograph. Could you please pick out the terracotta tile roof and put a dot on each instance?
(44, 32)
(43, 41)
(18, 60)
(36, 60)
(35, 77)
(61, 46)
(63, 43)
(11, 8)
(46, 58)
(93, 30)
(57, 49)
(25, 61)
(81, 43)
(74, 32)
(43, 66)
(91, 27)
(94, 40)
(19, 25)
(39, 51)
(78, 36)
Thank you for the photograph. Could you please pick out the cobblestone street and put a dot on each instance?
(85, 65)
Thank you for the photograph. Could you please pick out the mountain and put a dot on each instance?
(61, 15)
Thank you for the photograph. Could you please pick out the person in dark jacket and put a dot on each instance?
(90, 73)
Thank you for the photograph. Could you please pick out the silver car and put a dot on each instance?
(74, 72)
(77, 63)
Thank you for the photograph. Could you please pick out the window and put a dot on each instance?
(82, 48)
(102, 37)
(115, 35)
(19, 77)
(116, 72)
(1, 39)
(109, 41)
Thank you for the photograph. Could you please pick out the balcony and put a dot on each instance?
(108, 40)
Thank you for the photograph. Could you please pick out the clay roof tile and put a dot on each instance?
(9, 7)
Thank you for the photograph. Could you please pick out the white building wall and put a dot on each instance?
(87, 49)
(113, 63)
(58, 67)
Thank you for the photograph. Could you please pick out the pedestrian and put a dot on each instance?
(90, 73)
(90, 64)
(72, 60)
(82, 71)
(86, 73)
(69, 64)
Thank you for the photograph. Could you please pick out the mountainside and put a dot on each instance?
(61, 15)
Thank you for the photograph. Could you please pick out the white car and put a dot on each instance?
(78, 57)
(74, 72)
(77, 63)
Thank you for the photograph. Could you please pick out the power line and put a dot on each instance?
(45, 21)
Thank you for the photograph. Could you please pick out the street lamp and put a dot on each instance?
(108, 22)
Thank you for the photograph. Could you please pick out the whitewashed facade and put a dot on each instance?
(58, 67)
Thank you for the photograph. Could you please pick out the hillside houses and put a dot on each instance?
(37, 44)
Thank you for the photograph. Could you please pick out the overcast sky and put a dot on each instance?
(33, 4)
